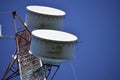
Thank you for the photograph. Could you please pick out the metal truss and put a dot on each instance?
(22, 63)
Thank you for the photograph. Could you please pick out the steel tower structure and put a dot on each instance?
(24, 64)
(21, 61)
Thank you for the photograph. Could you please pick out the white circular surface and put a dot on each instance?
(46, 10)
(54, 35)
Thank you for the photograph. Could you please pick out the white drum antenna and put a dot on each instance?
(1, 31)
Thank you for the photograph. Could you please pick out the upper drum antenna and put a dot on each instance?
(43, 17)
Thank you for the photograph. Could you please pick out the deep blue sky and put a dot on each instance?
(95, 22)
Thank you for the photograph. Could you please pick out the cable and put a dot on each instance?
(7, 37)
(73, 70)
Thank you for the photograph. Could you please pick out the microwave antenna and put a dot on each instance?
(41, 45)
